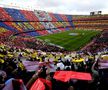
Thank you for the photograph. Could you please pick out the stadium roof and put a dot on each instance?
(59, 6)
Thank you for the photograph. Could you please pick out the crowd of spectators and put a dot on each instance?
(22, 67)
(29, 42)
(15, 75)
(99, 44)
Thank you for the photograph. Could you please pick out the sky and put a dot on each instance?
(79, 7)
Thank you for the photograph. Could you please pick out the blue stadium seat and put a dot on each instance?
(7, 27)
(69, 17)
(33, 33)
(59, 18)
(67, 28)
(17, 16)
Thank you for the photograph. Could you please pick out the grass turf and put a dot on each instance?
(70, 42)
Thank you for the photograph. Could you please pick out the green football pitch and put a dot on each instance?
(70, 40)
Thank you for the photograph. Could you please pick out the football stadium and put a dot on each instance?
(41, 50)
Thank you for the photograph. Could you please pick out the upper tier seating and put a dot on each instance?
(64, 17)
(59, 18)
(96, 22)
(29, 15)
(15, 14)
(4, 16)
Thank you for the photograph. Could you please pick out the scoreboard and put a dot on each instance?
(95, 13)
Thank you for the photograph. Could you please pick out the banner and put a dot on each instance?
(62, 75)
(67, 75)
(34, 65)
(31, 65)
(39, 84)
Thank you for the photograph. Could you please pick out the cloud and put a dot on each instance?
(63, 6)
(73, 6)
(48, 3)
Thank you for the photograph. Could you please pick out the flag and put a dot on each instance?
(34, 65)
(39, 84)
(62, 75)
(31, 65)
(67, 75)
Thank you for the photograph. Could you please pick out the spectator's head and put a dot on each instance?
(71, 88)
(68, 69)
(2, 76)
(58, 68)
(48, 77)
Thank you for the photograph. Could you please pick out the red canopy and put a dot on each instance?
(67, 75)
